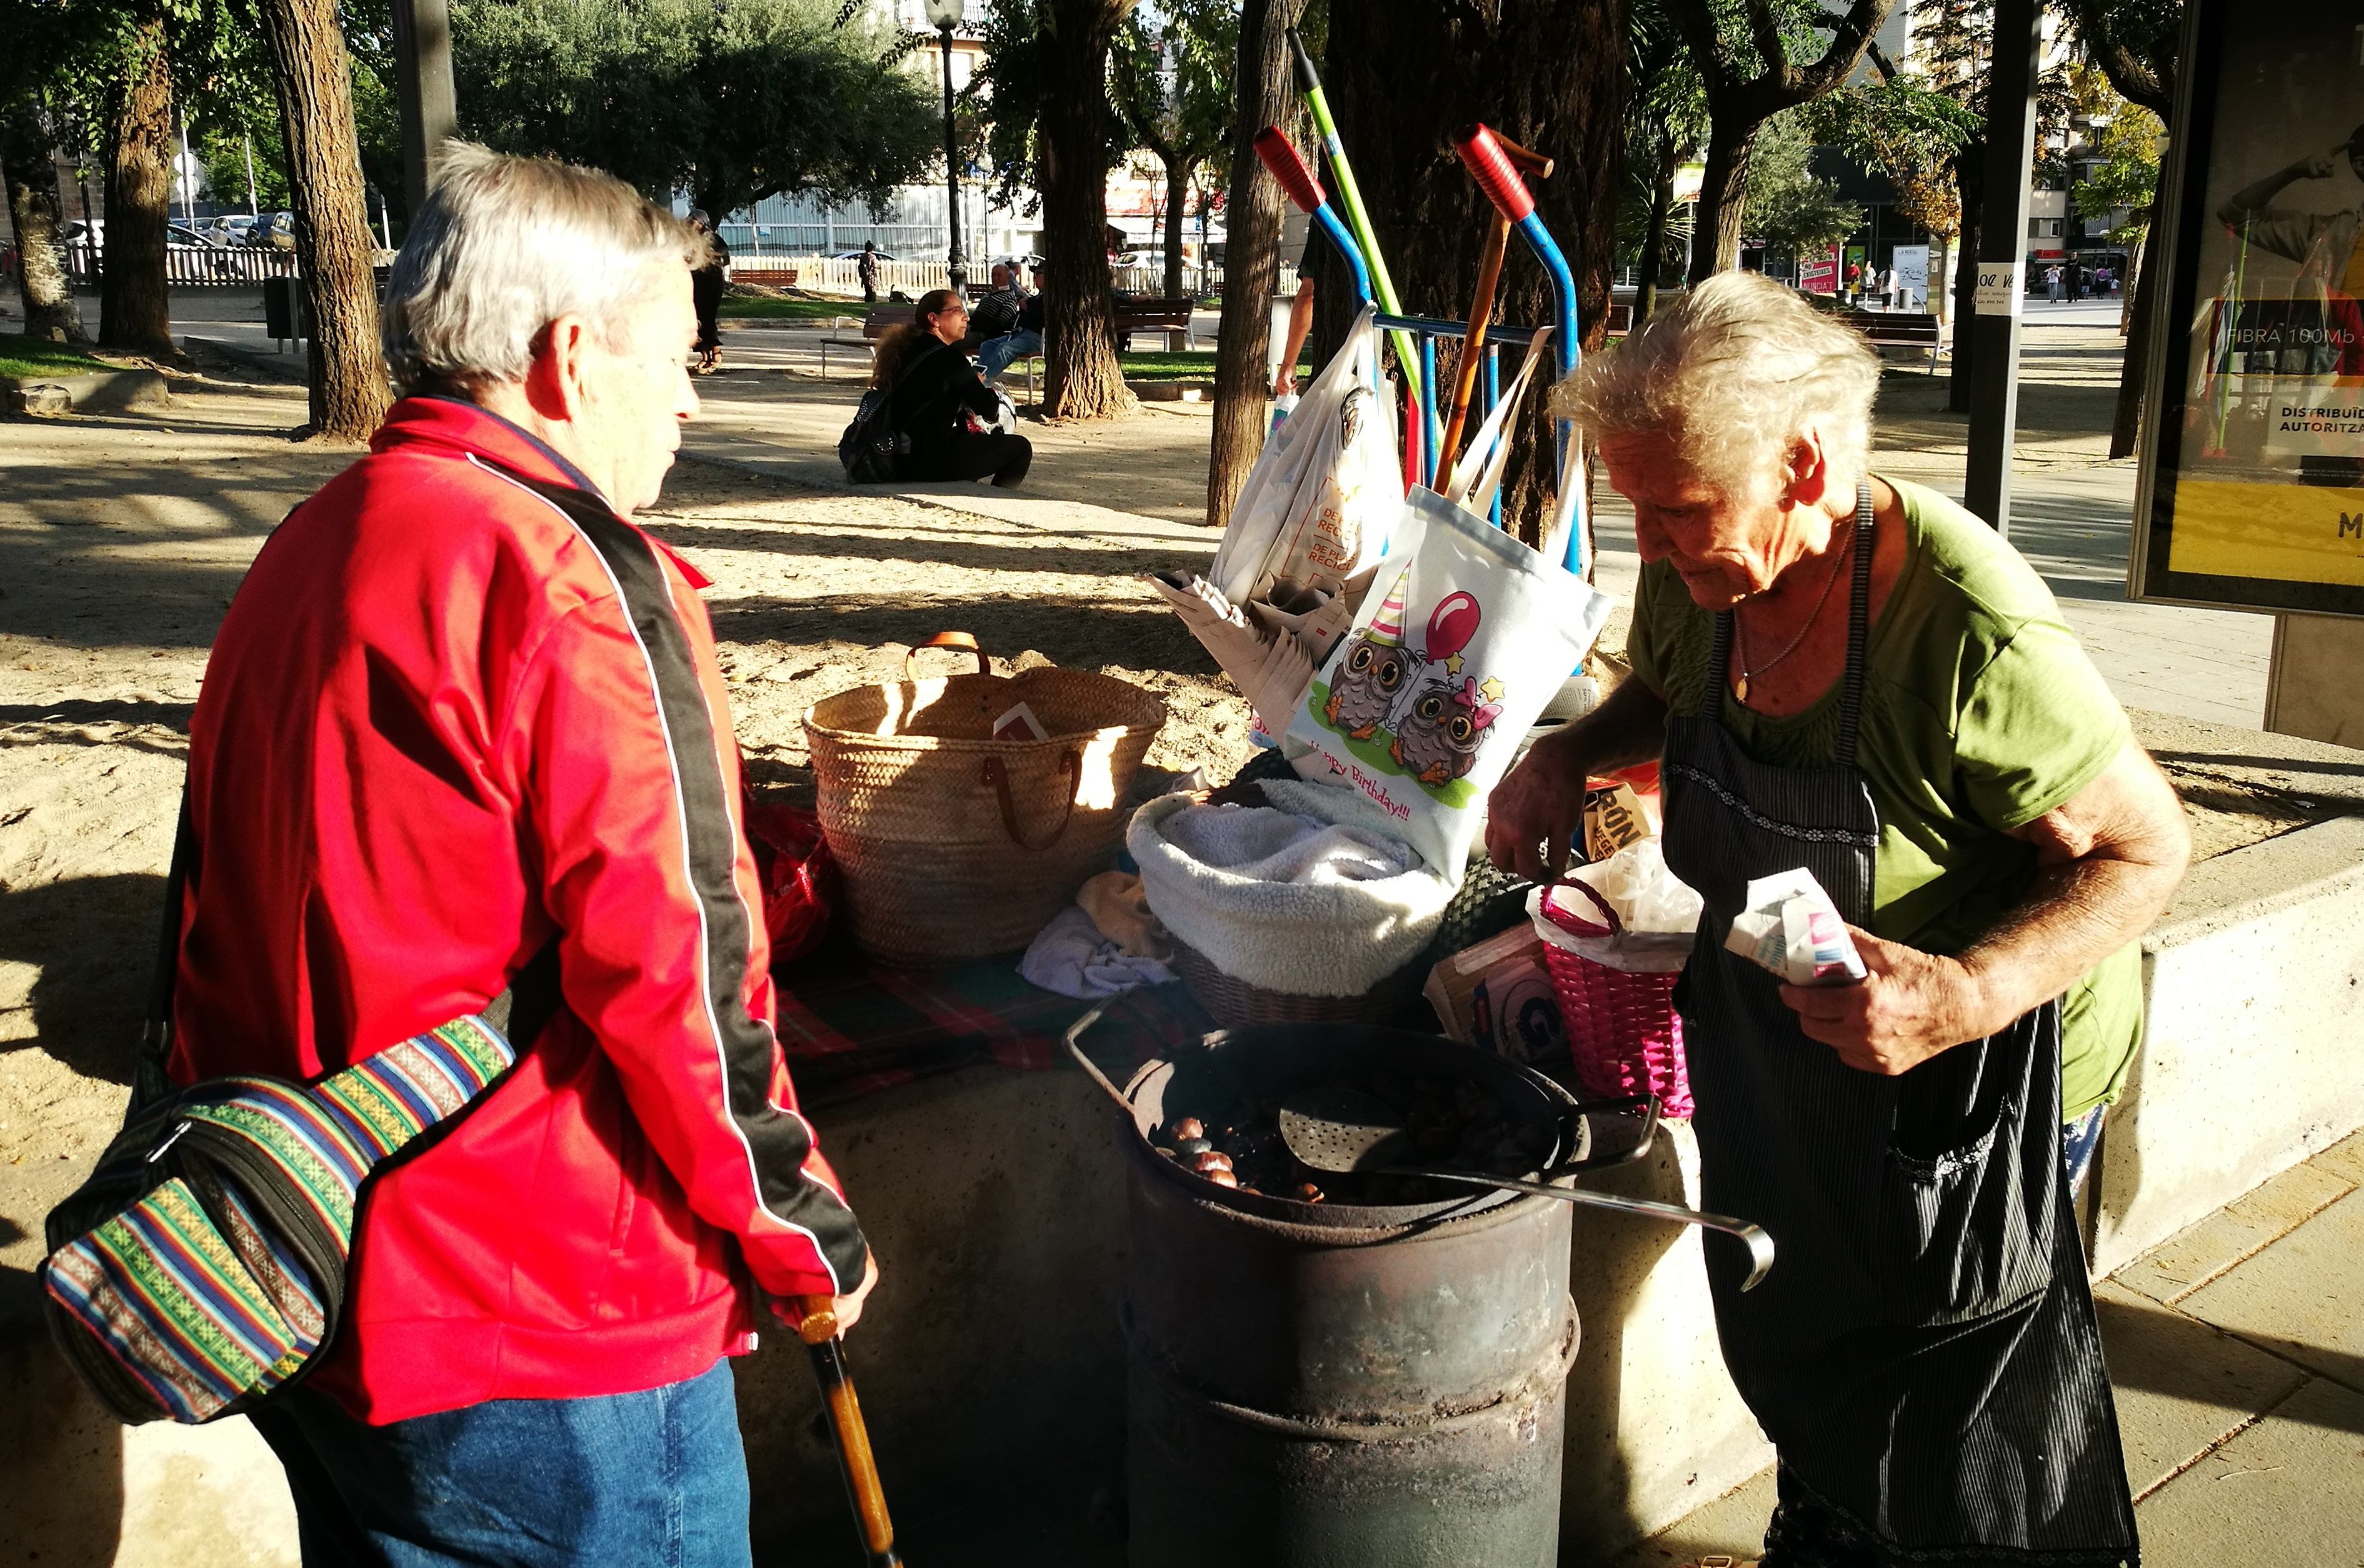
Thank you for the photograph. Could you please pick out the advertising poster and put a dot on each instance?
(1912, 264)
(2253, 486)
(1819, 274)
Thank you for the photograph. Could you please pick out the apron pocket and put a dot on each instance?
(1954, 1243)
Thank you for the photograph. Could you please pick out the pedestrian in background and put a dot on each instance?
(464, 712)
(866, 270)
(706, 281)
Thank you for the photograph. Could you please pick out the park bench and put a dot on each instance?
(875, 323)
(1171, 316)
(1915, 330)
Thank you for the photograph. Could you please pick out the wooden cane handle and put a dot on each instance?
(815, 1318)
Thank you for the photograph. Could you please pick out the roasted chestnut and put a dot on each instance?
(1188, 1127)
(1187, 1146)
(1221, 1177)
(1210, 1160)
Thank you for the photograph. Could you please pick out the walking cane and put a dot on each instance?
(818, 1329)
(1481, 307)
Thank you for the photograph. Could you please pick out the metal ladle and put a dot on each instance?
(1344, 1131)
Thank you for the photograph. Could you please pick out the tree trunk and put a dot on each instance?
(1940, 248)
(311, 67)
(1081, 378)
(1654, 236)
(1723, 197)
(1177, 203)
(134, 312)
(1547, 73)
(29, 162)
(1251, 256)
(2125, 429)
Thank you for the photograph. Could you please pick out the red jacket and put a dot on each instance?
(458, 706)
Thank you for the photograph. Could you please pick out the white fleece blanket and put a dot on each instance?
(1314, 895)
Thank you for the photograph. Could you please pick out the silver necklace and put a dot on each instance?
(1747, 674)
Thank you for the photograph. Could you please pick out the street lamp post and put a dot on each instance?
(944, 15)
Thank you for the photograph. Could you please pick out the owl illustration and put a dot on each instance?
(1371, 676)
(1438, 740)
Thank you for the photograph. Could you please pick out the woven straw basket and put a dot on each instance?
(1235, 1003)
(956, 845)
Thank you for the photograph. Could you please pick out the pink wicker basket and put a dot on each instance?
(1624, 1033)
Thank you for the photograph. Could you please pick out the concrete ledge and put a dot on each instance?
(90, 391)
(2254, 1001)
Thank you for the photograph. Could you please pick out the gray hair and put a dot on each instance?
(504, 246)
(1733, 373)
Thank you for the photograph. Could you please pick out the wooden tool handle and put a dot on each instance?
(817, 1329)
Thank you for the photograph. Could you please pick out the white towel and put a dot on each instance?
(1070, 956)
(1314, 896)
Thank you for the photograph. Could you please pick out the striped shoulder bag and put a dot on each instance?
(201, 1268)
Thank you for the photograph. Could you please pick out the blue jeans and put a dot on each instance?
(656, 1478)
(995, 353)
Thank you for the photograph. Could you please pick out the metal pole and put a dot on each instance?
(251, 209)
(2003, 245)
(189, 178)
(422, 60)
(955, 268)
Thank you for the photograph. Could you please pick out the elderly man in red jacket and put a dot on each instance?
(461, 710)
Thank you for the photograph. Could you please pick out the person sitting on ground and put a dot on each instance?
(934, 392)
(1023, 337)
(464, 711)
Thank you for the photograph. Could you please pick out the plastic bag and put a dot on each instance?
(1464, 636)
(1646, 894)
(1320, 502)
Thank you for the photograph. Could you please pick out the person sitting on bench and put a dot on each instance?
(1019, 341)
(935, 391)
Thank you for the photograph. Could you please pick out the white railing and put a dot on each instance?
(193, 266)
(841, 275)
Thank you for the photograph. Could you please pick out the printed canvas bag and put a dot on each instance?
(1466, 636)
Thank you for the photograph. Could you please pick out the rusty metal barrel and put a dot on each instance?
(1333, 1387)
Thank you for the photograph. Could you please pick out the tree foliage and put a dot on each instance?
(1746, 52)
(1791, 207)
(1170, 78)
(733, 100)
(2126, 178)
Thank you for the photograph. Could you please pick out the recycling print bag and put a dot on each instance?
(1464, 636)
(1317, 507)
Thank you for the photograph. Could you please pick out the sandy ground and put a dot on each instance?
(121, 542)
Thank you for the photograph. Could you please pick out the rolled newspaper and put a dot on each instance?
(1792, 928)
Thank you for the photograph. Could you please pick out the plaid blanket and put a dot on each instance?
(851, 1028)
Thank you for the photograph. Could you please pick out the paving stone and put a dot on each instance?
(2288, 1491)
(2297, 1298)
(2198, 1253)
(1733, 1525)
(2181, 1386)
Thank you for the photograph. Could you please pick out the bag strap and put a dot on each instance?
(148, 1080)
(520, 1012)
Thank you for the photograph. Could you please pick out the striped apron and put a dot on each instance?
(1923, 1354)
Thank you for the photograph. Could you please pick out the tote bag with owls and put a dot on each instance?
(1464, 636)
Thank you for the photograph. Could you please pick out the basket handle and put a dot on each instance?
(1569, 923)
(1071, 764)
(960, 640)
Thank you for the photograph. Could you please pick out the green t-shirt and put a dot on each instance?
(1980, 713)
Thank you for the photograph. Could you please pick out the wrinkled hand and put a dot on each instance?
(848, 1308)
(1537, 811)
(1910, 1006)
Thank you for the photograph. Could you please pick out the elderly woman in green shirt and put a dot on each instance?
(1852, 675)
